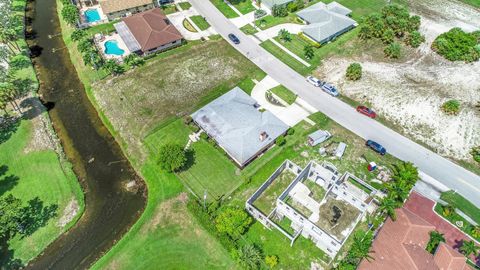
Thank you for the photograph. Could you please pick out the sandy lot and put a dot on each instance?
(409, 92)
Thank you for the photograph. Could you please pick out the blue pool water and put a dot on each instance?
(92, 15)
(111, 47)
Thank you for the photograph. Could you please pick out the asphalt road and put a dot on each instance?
(448, 173)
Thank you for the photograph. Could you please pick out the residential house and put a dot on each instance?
(325, 22)
(115, 9)
(148, 32)
(269, 4)
(400, 245)
(238, 125)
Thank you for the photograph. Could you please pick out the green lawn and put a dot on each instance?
(185, 5)
(270, 21)
(295, 45)
(475, 3)
(225, 9)
(284, 57)
(169, 9)
(200, 22)
(40, 174)
(285, 94)
(247, 85)
(244, 6)
(249, 29)
(453, 218)
(104, 28)
(459, 202)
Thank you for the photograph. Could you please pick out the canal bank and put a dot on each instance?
(99, 163)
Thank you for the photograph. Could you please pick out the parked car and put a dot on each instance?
(330, 89)
(314, 81)
(366, 111)
(234, 38)
(376, 147)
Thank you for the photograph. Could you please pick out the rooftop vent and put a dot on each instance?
(263, 136)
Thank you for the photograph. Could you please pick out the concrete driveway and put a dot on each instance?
(177, 20)
(442, 169)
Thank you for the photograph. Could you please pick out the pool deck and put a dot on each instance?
(121, 45)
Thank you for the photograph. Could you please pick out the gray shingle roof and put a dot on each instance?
(271, 3)
(235, 123)
(325, 21)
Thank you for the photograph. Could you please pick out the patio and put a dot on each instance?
(96, 13)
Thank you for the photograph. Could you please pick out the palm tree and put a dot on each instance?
(10, 92)
(476, 231)
(406, 171)
(448, 210)
(399, 190)
(468, 248)
(284, 35)
(360, 248)
(388, 206)
(435, 239)
(249, 257)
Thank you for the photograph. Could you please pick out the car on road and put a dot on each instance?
(330, 89)
(234, 38)
(314, 81)
(366, 111)
(376, 147)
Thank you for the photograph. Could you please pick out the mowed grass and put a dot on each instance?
(284, 57)
(173, 83)
(200, 22)
(224, 8)
(185, 5)
(270, 21)
(40, 174)
(285, 94)
(248, 29)
(458, 201)
(244, 6)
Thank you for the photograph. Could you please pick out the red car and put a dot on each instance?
(366, 111)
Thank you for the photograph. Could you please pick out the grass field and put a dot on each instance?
(244, 6)
(169, 9)
(40, 174)
(248, 29)
(185, 5)
(200, 22)
(270, 21)
(475, 3)
(284, 57)
(285, 94)
(456, 200)
(224, 8)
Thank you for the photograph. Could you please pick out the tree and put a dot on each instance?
(172, 157)
(292, 6)
(113, 67)
(435, 239)
(249, 257)
(405, 171)
(233, 222)
(134, 60)
(279, 11)
(468, 248)
(308, 51)
(414, 39)
(393, 50)
(78, 34)
(11, 211)
(280, 140)
(284, 35)
(388, 206)
(70, 14)
(271, 261)
(399, 190)
(18, 62)
(85, 45)
(354, 72)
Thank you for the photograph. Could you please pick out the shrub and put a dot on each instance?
(457, 45)
(70, 14)
(259, 13)
(284, 35)
(388, 36)
(448, 210)
(172, 157)
(113, 67)
(290, 131)
(204, 136)
(249, 257)
(280, 141)
(476, 153)
(279, 11)
(414, 39)
(393, 50)
(308, 51)
(271, 261)
(134, 60)
(451, 107)
(292, 6)
(187, 120)
(85, 45)
(354, 72)
(308, 40)
(78, 34)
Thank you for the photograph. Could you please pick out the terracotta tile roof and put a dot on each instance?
(152, 29)
(109, 6)
(400, 245)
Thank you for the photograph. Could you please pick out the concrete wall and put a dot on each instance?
(165, 47)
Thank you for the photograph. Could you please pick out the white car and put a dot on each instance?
(314, 81)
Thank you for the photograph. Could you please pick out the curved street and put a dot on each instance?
(448, 173)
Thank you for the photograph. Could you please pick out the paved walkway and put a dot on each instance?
(290, 115)
(423, 207)
(273, 31)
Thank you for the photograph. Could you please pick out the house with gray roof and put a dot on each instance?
(237, 124)
(325, 22)
(269, 4)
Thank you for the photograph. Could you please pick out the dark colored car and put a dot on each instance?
(234, 38)
(366, 111)
(376, 147)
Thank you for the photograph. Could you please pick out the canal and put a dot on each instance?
(100, 165)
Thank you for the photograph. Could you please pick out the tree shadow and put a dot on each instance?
(35, 51)
(458, 244)
(36, 215)
(6, 182)
(7, 260)
(8, 126)
(190, 155)
(32, 107)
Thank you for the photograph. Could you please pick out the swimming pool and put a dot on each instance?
(111, 47)
(92, 15)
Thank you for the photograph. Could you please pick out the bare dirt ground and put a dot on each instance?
(69, 213)
(409, 92)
